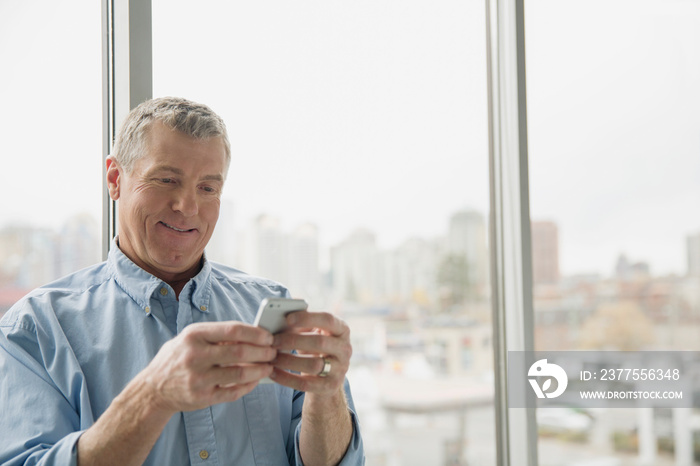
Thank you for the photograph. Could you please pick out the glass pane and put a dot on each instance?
(614, 164)
(360, 180)
(50, 141)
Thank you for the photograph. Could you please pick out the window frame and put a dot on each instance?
(511, 255)
(127, 80)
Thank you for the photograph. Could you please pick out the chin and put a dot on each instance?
(180, 264)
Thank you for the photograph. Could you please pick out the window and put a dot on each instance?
(614, 163)
(50, 138)
(360, 179)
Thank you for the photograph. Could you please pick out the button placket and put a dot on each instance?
(201, 439)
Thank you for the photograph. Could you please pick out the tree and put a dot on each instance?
(621, 326)
(453, 280)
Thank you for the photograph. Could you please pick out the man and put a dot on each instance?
(149, 357)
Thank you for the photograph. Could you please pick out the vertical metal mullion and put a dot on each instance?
(107, 121)
(500, 398)
(127, 80)
(511, 271)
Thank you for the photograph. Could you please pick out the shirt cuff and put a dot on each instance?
(64, 452)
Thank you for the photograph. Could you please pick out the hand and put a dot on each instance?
(209, 363)
(318, 337)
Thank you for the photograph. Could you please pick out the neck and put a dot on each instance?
(178, 286)
(177, 280)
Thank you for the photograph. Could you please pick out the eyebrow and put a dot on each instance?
(179, 172)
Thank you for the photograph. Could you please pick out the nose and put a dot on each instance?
(185, 202)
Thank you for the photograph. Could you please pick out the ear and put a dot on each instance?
(113, 177)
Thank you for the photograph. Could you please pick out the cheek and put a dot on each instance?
(140, 206)
(210, 212)
(150, 200)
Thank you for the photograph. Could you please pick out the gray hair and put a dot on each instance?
(190, 118)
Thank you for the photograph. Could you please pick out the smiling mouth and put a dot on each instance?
(176, 228)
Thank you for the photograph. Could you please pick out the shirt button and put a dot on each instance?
(163, 291)
(202, 307)
(147, 309)
(204, 454)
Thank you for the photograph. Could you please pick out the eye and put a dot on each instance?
(166, 180)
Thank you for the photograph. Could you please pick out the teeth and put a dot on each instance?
(174, 228)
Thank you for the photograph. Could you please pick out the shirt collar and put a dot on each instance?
(140, 285)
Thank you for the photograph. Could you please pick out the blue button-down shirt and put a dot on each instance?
(69, 348)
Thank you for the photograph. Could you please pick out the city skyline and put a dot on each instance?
(386, 161)
(234, 253)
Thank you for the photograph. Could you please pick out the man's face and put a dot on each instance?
(169, 203)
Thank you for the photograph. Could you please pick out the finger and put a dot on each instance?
(307, 383)
(229, 332)
(239, 374)
(309, 365)
(306, 321)
(308, 343)
(229, 354)
(231, 393)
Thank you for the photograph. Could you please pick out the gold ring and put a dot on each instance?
(326, 368)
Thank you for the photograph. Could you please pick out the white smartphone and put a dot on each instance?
(271, 316)
(272, 312)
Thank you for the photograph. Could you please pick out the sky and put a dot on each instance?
(373, 114)
(614, 128)
(51, 123)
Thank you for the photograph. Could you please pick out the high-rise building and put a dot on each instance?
(693, 251)
(415, 271)
(545, 252)
(467, 238)
(354, 268)
(303, 268)
(627, 270)
(270, 249)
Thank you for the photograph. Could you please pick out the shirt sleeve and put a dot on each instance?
(355, 454)
(38, 423)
